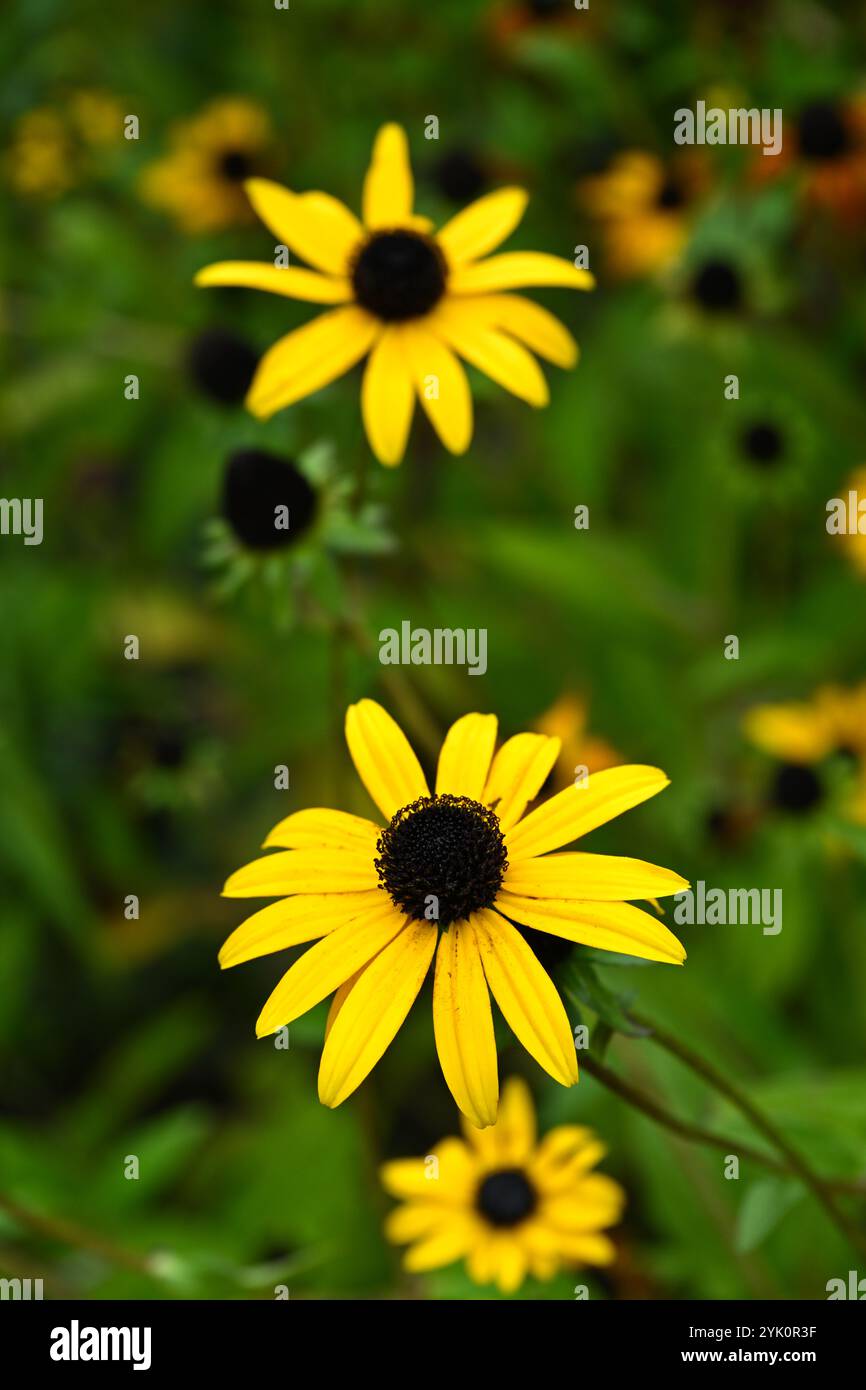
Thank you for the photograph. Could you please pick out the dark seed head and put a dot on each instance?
(717, 287)
(822, 131)
(221, 365)
(671, 195)
(506, 1198)
(399, 275)
(235, 165)
(762, 443)
(267, 501)
(460, 175)
(442, 858)
(796, 788)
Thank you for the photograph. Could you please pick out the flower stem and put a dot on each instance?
(65, 1232)
(795, 1161)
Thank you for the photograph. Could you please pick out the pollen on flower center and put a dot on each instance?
(506, 1197)
(398, 275)
(442, 858)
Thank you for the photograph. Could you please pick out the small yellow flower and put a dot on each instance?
(645, 210)
(40, 158)
(504, 1202)
(803, 734)
(201, 180)
(410, 299)
(568, 720)
(446, 875)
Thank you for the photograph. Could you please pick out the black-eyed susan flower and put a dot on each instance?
(827, 151)
(504, 1201)
(443, 876)
(221, 364)
(645, 209)
(411, 301)
(804, 736)
(201, 179)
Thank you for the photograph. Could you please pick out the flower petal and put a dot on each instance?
(453, 1239)
(328, 964)
(309, 358)
(451, 1178)
(579, 809)
(322, 828)
(598, 877)
(318, 227)
(609, 926)
(492, 352)
(291, 281)
(383, 757)
(526, 995)
(463, 1025)
(373, 1011)
(483, 225)
(515, 1130)
(291, 922)
(303, 871)
(464, 760)
(531, 325)
(388, 186)
(442, 387)
(517, 269)
(518, 772)
(388, 397)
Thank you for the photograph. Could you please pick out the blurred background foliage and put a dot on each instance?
(156, 777)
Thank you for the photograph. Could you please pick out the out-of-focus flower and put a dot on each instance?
(200, 182)
(645, 209)
(442, 878)
(97, 116)
(39, 159)
(805, 736)
(568, 720)
(506, 1202)
(414, 301)
(221, 364)
(854, 542)
(826, 147)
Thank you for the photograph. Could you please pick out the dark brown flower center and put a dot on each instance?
(822, 131)
(506, 1197)
(399, 275)
(442, 858)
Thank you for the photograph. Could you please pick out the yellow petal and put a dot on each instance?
(388, 187)
(563, 1157)
(531, 325)
(515, 1131)
(609, 926)
(374, 1011)
(587, 1248)
(519, 770)
(795, 732)
(492, 352)
(598, 877)
(413, 1221)
(512, 1263)
(303, 871)
(442, 387)
(579, 809)
(463, 1025)
(291, 922)
(318, 227)
(309, 358)
(464, 760)
(388, 397)
(449, 1173)
(383, 757)
(291, 281)
(329, 963)
(322, 828)
(526, 995)
(517, 269)
(453, 1239)
(483, 225)
(340, 998)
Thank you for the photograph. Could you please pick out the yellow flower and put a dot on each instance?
(445, 876)
(802, 734)
(506, 1203)
(568, 719)
(644, 208)
(201, 181)
(410, 299)
(40, 159)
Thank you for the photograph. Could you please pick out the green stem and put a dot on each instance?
(65, 1232)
